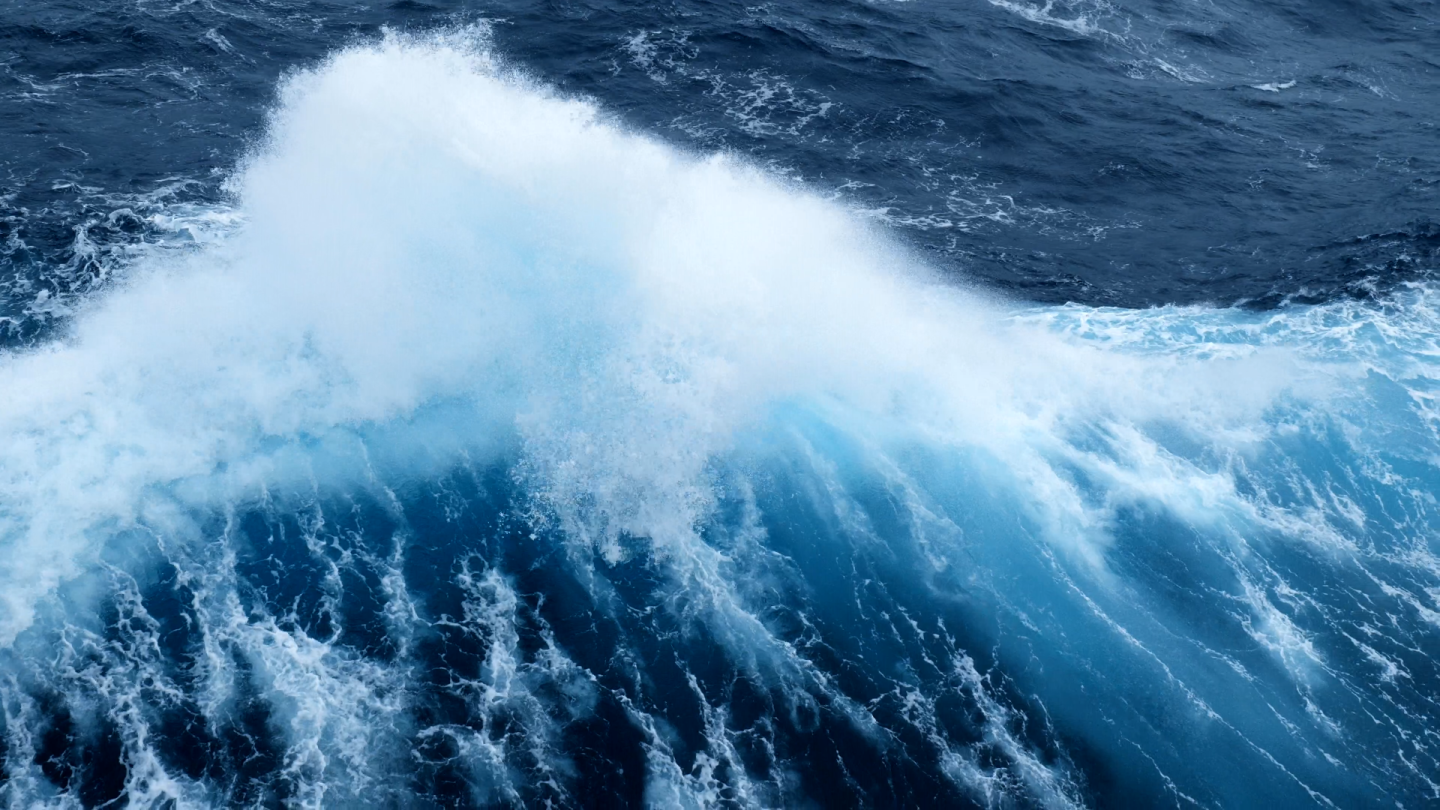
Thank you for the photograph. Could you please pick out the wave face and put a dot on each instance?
(492, 454)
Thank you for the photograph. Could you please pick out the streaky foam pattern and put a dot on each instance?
(506, 457)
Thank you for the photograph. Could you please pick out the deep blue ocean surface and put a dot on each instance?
(987, 403)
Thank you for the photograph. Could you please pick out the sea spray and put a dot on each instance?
(504, 455)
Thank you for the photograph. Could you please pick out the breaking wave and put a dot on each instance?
(504, 456)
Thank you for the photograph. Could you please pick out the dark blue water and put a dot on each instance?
(697, 404)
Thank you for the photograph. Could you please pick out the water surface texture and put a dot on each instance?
(994, 404)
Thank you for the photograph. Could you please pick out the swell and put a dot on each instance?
(504, 456)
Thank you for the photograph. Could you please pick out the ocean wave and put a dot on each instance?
(501, 455)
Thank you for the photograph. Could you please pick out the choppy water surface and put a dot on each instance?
(894, 404)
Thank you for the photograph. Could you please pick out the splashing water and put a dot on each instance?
(503, 456)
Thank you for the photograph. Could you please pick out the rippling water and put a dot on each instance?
(891, 404)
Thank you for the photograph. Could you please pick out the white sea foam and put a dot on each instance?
(1080, 19)
(422, 226)
(428, 233)
(1274, 87)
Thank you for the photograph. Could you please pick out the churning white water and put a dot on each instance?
(442, 264)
